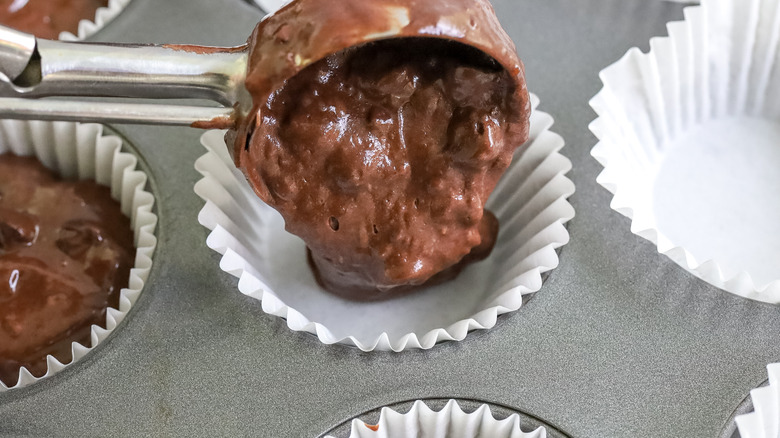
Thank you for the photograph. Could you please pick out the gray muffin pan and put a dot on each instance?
(619, 342)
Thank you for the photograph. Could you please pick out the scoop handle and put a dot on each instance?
(109, 112)
(107, 70)
(143, 71)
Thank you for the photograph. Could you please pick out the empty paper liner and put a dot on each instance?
(451, 421)
(764, 421)
(687, 137)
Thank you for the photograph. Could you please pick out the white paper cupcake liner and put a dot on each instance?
(102, 17)
(530, 203)
(451, 422)
(764, 421)
(687, 137)
(80, 151)
(271, 6)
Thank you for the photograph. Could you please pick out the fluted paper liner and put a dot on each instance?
(451, 422)
(530, 203)
(270, 6)
(687, 137)
(102, 17)
(764, 421)
(81, 151)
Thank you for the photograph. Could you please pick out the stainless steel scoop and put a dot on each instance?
(93, 76)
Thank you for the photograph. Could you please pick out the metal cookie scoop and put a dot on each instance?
(408, 196)
(34, 68)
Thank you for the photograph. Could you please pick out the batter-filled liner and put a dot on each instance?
(76, 20)
(529, 201)
(80, 151)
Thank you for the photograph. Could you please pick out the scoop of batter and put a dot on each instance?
(381, 155)
(382, 159)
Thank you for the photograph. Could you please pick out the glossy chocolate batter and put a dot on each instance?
(65, 252)
(381, 156)
(47, 18)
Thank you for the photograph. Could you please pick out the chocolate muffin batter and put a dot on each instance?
(381, 154)
(65, 252)
(47, 18)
